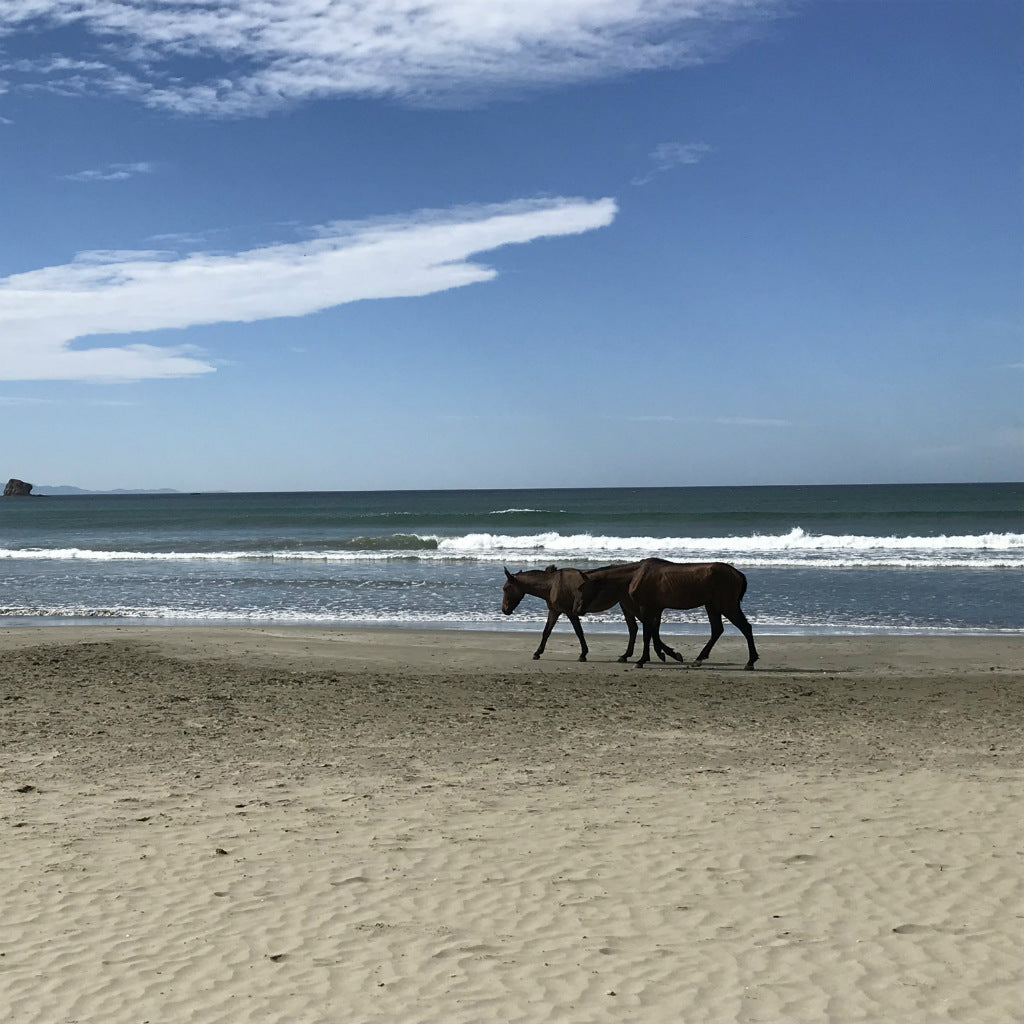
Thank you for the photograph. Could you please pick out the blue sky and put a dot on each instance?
(306, 244)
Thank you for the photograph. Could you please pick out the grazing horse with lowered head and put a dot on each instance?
(658, 584)
(558, 589)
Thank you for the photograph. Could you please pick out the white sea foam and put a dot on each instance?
(795, 548)
(795, 540)
(480, 619)
(513, 511)
(1004, 550)
(683, 624)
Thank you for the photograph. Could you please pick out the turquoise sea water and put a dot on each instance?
(916, 558)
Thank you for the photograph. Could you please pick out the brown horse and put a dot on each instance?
(658, 584)
(558, 588)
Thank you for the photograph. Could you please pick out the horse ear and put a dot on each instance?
(551, 568)
(507, 573)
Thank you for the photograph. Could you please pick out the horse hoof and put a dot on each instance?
(582, 657)
(623, 658)
(536, 657)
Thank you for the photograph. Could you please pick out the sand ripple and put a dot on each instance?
(779, 897)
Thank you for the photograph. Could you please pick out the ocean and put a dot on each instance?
(942, 558)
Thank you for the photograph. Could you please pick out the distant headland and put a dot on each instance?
(20, 489)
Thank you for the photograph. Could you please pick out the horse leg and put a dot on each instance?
(660, 646)
(717, 629)
(548, 626)
(739, 620)
(578, 626)
(631, 626)
(646, 655)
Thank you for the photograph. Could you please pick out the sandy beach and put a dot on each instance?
(291, 824)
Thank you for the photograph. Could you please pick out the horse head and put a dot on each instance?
(511, 594)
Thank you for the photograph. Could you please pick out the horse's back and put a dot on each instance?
(682, 585)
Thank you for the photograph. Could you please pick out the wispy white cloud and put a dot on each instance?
(666, 156)
(112, 172)
(102, 293)
(751, 421)
(24, 400)
(180, 239)
(651, 418)
(232, 57)
(720, 421)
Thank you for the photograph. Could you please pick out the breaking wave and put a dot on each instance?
(795, 548)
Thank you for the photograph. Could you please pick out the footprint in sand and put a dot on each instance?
(913, 929)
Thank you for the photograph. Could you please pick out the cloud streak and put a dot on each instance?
(666, 156)
(239, 57)
(752, 421)
(112, 172)
(102, 293)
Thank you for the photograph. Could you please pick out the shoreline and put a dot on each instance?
(305, 823)
(521, 624)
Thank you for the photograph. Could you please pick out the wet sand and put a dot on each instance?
(317, 825)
